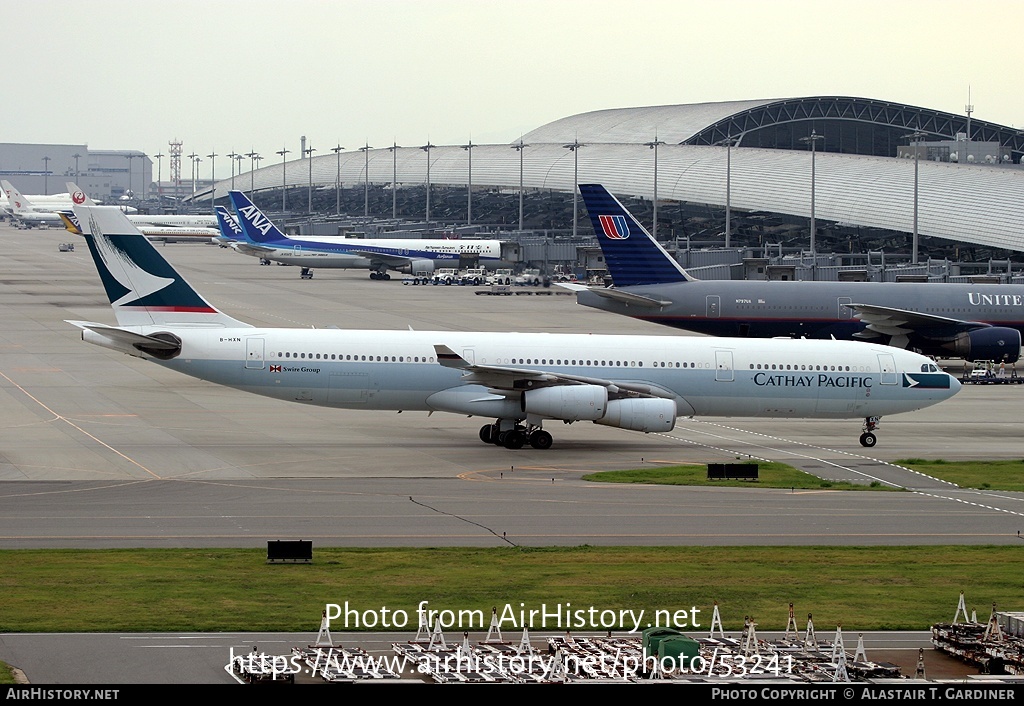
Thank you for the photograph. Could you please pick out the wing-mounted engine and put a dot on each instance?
(419, 266)
(646, 414)
(998, 343)
(568, 402)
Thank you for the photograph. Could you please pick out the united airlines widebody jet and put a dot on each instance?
(261, 238)
(970, 321)
(518, 380)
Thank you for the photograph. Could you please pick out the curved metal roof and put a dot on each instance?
(671, 123)
(977, 204)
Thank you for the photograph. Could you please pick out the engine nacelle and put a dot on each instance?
(644, 414)
(567, 402)
(423, 266)
(997, 343)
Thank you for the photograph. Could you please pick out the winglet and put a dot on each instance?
(633, 256)
(449, 358)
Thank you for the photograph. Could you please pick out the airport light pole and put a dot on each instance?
(365, 149)
(309, 155)
(213, 180)
(238, 158)
(195, 176)
(337, 180)
(426, 148)
(284, 178)
(916, 137)
(129, 158)
(159, 172)
(469, 186)
(654, 146)
(76, 156)
(728, 142)
(394, 179)
(46, 175)
(574, 147)
(256, 159)
(813, 139)
(192, 159)
(520, 147)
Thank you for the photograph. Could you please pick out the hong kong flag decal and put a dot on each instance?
(614, 227)
(275, 368)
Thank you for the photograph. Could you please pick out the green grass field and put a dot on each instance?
(770, 475)
(862, 588)
(984, 475)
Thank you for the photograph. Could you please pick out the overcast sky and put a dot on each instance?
(225, 76)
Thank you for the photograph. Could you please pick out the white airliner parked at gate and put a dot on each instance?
(520, 380)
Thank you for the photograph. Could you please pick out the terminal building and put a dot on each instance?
(104, 174)
(744, 173)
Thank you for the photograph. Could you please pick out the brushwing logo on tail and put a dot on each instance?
(614, 227)
(121, 267)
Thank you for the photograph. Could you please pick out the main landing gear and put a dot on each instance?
(379, 274)
(516, 437)
(868, 438)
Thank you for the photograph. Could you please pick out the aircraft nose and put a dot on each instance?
(954, 385)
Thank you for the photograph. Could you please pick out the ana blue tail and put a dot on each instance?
(229, 228)
(632, 255)
(257, 227)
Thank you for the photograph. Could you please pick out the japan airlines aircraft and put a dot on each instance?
(520, 380)
(30, 213)
(264, 240)
(971, 321)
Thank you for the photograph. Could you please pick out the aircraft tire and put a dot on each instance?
(868, 439)
(485, 433)
(540, 439)
(513, 440)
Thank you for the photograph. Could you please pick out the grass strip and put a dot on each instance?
(770, 475)
(861, 588)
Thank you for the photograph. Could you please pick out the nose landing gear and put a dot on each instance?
(868, 439)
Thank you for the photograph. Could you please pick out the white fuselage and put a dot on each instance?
(399, 370)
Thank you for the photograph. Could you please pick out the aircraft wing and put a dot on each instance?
(617, 294)
(385, 258)
(503, 379)
(899, 322)
(126, 337)
(251, 248)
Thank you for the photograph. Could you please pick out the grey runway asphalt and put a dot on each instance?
(98, 449)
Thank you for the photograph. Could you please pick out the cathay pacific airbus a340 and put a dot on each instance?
(519, 380)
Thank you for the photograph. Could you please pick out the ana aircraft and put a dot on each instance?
(642, 383)
(971, 321)
(416, 256)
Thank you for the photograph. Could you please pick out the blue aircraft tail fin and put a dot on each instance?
(632, 255)
(143, 288)
(256, 226)
(229, 228)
